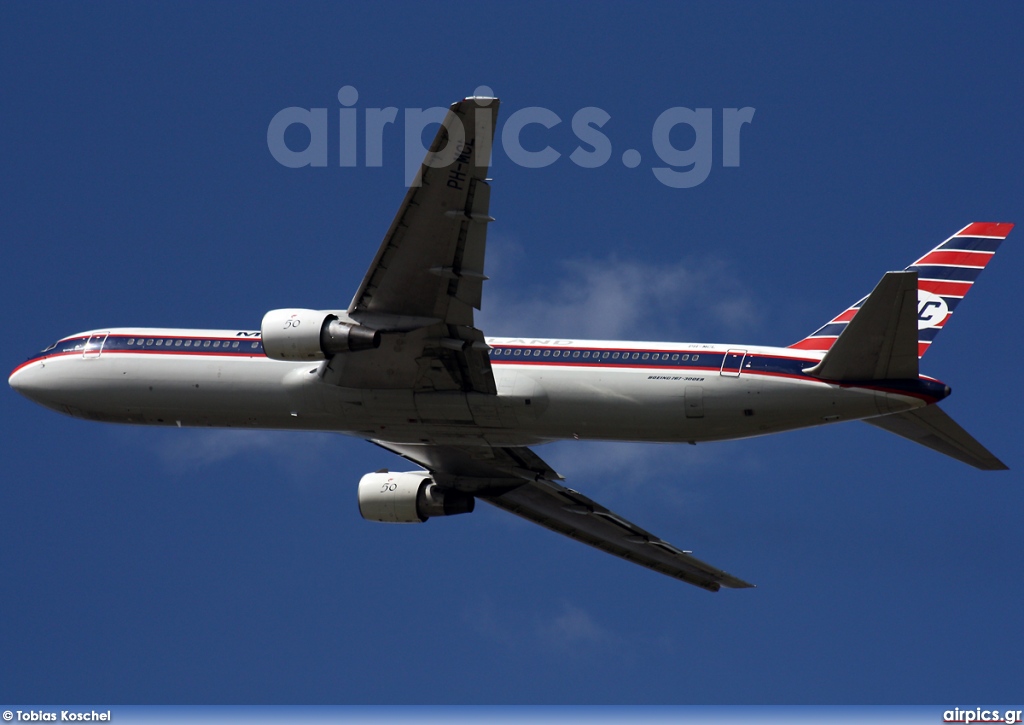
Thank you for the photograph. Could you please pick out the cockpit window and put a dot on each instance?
(51, 346)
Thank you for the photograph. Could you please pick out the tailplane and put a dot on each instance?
(945, 276)
(882, 337)
(933, 428)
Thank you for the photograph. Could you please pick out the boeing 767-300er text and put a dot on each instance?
(406, 368)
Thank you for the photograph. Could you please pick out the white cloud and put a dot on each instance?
(564, 626)
(572, 625)
(204, 447)
(298, 454)
(617, 299)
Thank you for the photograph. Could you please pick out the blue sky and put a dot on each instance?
(178, 566)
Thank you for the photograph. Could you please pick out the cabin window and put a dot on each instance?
(615, 356)
(646, 355)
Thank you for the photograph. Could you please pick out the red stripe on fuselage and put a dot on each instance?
(95, 355)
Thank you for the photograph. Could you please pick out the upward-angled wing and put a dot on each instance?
(428, 274)
(519, 481)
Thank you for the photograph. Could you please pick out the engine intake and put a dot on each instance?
(408, 498)
(298, 334)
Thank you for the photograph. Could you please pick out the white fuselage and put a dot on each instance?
(547, 390)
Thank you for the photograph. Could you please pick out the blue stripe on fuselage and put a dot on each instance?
(753, 363)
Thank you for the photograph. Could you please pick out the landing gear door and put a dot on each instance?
(94, 345)
(733, 363)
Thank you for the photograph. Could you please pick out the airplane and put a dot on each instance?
(405, 367)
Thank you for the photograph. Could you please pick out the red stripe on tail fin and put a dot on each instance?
(969, 249)
(998, 230)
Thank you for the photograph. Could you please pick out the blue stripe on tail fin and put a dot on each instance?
(945, 276)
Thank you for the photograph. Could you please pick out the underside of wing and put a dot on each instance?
(573, 514)
(427, 276)
(518, 480)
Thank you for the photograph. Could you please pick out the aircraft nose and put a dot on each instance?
(17, 380)
(30, 380)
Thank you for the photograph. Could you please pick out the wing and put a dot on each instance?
(427, 277)
(519, 481)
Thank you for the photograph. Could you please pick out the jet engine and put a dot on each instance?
(408, 498)
(296, 334)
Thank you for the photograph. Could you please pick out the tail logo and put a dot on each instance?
(931, 310)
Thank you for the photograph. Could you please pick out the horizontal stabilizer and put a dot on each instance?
(880, 342)
(932, 427)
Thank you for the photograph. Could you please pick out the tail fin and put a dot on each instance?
(880, 343)
(945, 276)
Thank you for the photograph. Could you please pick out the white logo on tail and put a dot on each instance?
(931, 310)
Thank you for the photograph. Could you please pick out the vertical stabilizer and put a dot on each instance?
(945, 276)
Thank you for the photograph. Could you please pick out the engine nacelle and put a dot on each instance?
(296, 334)
(408, 498)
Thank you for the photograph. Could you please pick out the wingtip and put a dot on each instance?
(480, 100)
